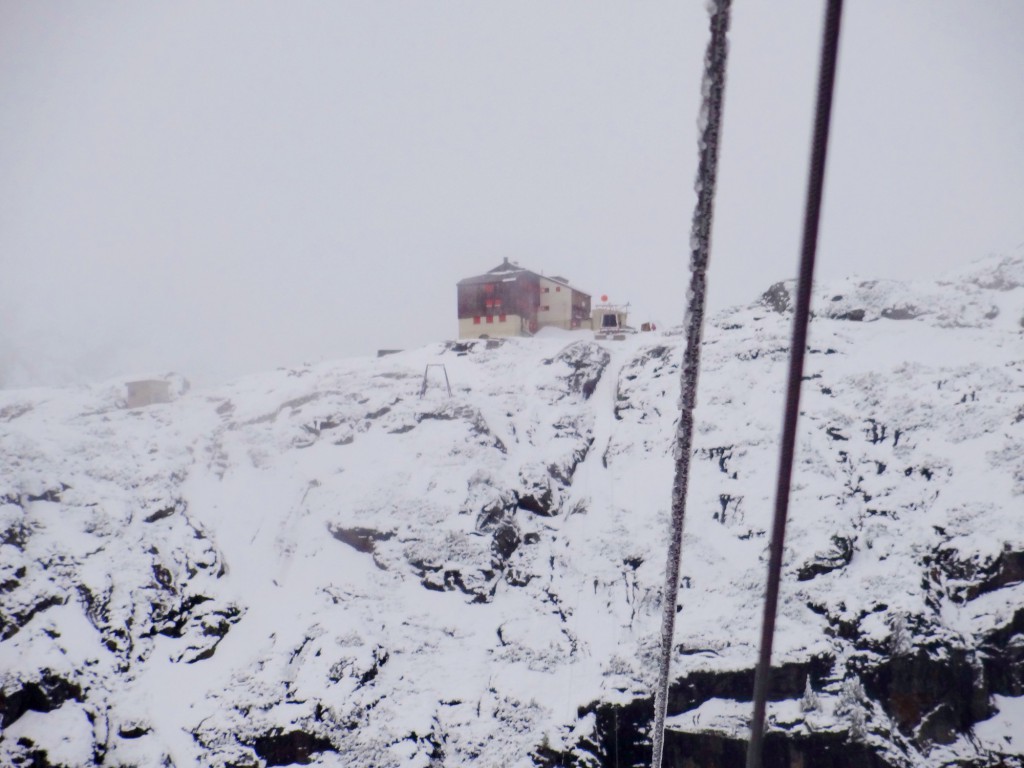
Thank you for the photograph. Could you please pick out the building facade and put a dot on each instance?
(512, 301)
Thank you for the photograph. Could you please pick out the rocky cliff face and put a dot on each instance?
(321, 566)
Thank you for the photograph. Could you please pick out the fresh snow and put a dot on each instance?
(427, 581)
(1003, 732)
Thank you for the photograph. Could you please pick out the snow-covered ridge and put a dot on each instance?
(323, 565)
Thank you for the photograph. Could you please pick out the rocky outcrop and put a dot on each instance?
(330, 563)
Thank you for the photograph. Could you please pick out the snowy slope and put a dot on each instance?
(323, 565)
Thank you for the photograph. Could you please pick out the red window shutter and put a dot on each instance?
(489, 303)
(501, 318)
(490, 318)
(476, 321)
(558, 289)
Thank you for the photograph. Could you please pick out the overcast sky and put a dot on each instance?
(221, 187)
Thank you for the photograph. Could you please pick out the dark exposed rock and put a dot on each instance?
(839, 556)
(290, 748)
(14, 411)
(562, 472)
(171, 620)
(819, 750)
(543, 756)
(380, 658)
(50, 494)
(517, 578)
(586, 361)
(777, 298)
(160, 514)
(622, 732)
(10, 624)
(730, 507)
(505, 541)
(472, 416)
(318, 426)
(621, 735)
(16, 535)
(360, 539)
(495, 514)
(442, 415)
(771, 353)
(1003, 276)
(133, 731)
(437, 578)
(163, 576)
(787, 682)
(721, 454)
(856, 315)
(835, 434)
(289, 405)
(657, 362)
(43, 695)
(472, 346)
(25, 754)
(978, 578)
(933, 696)
(901, 313)
(1002, 658)
(537, 501)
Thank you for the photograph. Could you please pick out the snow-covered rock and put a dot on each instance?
(344, 565)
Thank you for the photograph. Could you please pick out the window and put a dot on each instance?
(609, 321)
(476, 321)
(545, 308)
(501, 318)
(558, 289)
(547, 290)
(490, 319)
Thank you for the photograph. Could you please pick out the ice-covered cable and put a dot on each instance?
(710, 127)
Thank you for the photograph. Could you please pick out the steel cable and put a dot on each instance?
(801, 319)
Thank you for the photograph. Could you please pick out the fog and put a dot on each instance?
(222, 187)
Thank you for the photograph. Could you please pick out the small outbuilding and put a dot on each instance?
(147, 392)
(512, 301)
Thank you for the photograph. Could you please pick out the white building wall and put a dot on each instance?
(555, 305)
(512, 325)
